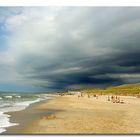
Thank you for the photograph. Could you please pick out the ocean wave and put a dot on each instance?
(18, 96)
(12, 107)
(5, 122)
(8, 96)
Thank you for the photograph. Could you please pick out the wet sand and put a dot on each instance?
(70, 115)
(26, 116)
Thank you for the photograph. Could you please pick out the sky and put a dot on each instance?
(63, 48)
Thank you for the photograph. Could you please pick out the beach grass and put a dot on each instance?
(124, 90)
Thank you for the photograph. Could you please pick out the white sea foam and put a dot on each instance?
(4, 122)
(23, 105)
(2, 130)
(8, 96)
(18, 96)
(12, 107)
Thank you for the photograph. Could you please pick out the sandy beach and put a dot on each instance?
(70, 115)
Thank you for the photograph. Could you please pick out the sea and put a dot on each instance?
(11, 102)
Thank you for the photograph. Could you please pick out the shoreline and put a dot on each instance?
(20, 117)
(70, 115)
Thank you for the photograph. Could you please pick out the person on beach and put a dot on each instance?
(113, 99)
(122, 102)
(118, 100)
(96, 96)
(78, 97)
(108, 98)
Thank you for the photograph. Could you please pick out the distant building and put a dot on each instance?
(73, 92)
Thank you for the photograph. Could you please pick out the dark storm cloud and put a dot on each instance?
(97, 72)
(60, 48)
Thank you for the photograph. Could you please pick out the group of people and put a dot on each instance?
(115, 99)
(112, 98)
(94, 95)
(80, 95)
(89, 96)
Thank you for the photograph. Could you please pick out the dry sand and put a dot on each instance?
(85, 116)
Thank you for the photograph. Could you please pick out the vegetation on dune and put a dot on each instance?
(127, 89)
